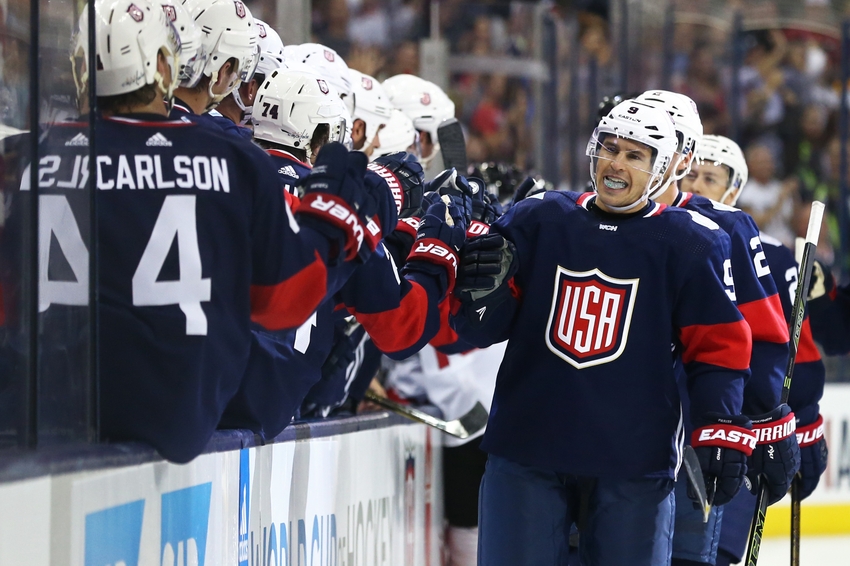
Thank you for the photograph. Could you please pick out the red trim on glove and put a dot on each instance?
(437, 252)
(408, 226)
(336, 212)
(725, 436)
(810, 435)
(477, 228)
(771, 431)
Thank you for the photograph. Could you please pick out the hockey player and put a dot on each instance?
(229, 40)
(194, 240)
(575, 282)
(234, 112)
(398, 134)
(755, 293)
(720, 174)
(370, 110)
(428, 106)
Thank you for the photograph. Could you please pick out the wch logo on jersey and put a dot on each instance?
(185, 517)
(113, 535)
(590, 317)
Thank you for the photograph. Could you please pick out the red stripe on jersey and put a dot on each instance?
(446, 334)
(289, 303)
(686, 197)
(582, 200)
(766, 320)
(806, 349)
(398, 328)
(726, 345)
(659, 208)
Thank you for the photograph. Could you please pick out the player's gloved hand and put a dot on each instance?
(813, 455)
(485, 209)
(776, 457)
(338, 204)
(723, 443)
(439, 238)
(487, 264)
(406, 179)
(822, 281)
(451, 183)
(529, 187)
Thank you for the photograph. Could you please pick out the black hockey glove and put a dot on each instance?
(776, 458)
(341, 206)
(406, 179)
(487, 263)
(723, 443)
(485, 209)
(529, 187)
(400, 241)
(439, 238)
(451, 183)
(813, 455)
(822, 281)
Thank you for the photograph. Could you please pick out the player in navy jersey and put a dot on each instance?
(229, 45)
(755, 293)
(829, 308)
(590, 290)
(185, 267)
(720, 174)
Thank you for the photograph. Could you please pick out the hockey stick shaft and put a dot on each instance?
(795, 522)
(454, 428)
(797, 313)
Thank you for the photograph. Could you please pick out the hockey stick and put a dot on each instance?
(795, 521)
(464, 427)
(697, 480)
(799, 308)
(452, 145)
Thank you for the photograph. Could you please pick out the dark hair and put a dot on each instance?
(121, 102)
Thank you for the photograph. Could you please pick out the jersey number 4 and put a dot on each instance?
(176, 220)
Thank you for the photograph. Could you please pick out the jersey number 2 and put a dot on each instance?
(176, 220)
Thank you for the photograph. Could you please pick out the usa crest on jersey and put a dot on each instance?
(590, 317)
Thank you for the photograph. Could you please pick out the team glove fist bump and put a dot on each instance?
(723, 443)
(487, 263)
(776, 457)
(450, 183)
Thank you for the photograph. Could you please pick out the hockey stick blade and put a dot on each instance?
(697, 480)
(452, 145)
(456, 427)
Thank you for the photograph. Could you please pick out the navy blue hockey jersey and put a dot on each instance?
(587, 384)
(195, 241)
(809, 372)
(757, 299)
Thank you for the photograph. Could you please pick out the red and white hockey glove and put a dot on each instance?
(776, 458)
(440, 235)
(723, 443)
(813, 455)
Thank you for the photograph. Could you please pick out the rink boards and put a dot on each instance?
(368, 497)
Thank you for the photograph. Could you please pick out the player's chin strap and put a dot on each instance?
(639, 202)
(168, 92)
(247, 111)
(215, 99)
(675, 177)
(424, 161)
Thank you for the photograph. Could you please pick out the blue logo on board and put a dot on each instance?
(113, 536)
(185, 517)
(244, 499)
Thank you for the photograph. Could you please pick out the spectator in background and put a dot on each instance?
(767, 199)
(371, 24)
(702, 80)
(806, 156)
(331, 19)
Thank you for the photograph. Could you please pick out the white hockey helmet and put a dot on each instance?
(129, 36)
(228, 33)
(292, 102)
(398, 134)
(193, 56)
(652, 127)
(718, 150)
(270, 58)
(688, 126)
(369, 103)
(423, 102)
(327, 61)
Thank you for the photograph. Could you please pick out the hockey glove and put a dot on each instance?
(822, 281)
(439, 238)
(529, 187)
(400, 241)
(485, 210)
(813, 455)
(337, 203)
(487, 263)
(450, 183)
(406, 179)
(723, 443)
(776, 457)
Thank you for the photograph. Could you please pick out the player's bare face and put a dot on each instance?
(708, 180)
(622, 172)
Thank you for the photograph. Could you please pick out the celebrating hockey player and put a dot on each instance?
(758, 301)
(370, 109)
(589, 290)
(428, 106)
(174, 336)
(720, 173)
